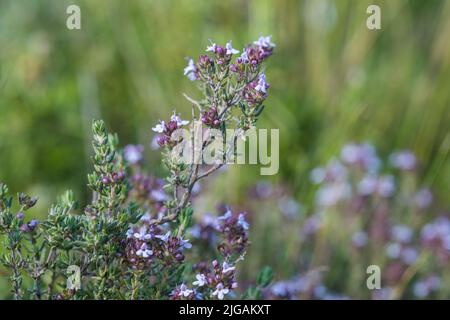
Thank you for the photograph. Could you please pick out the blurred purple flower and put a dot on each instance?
(404, 160)
(423, 198)
(133, 153)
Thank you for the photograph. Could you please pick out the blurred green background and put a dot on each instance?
(332, 81)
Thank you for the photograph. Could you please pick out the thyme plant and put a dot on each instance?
(131, 241)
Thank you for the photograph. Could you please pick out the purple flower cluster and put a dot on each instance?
(166, 130)
(214, 282)
(257, 52)
(148, 243)
(234, 229)
(256, 91)
(357, 174)
(211, 118)
(306, 286)
(435, 236)
(231, 228)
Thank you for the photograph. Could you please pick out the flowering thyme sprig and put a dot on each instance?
(228, 82)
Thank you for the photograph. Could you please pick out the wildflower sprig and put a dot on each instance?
(228, 83)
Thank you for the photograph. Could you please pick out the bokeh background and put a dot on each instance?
(332, 80)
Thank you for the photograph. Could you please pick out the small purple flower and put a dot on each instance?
(20, 215)
(191, 70)
(133, 153)
(241, 222)
(185, 291)
(423, 198)
(404, 160)
(386, 186)
(144, 251)
(130, 233)
(226, 267)
(362, 155)
(262, 85)
(212, 47)
(185, 244)
(265, 42)
(230, 49)
(142, 234)
(393, 250)
(33, 224)
(220, 291)
(409, 255)
(201, 280)
(360, 239)
(164, 237)
(178, 120)
(244, 57)
(402, 233)
(160, 127)
(367, 185)
(226, 216)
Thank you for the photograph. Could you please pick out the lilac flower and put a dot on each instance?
(133, 153)
(409, 255)
(191, 70)
(393, 250)
(144, 252)
(212, 47)
(436, 235)
(367, 185)
(201, 280)
(158, 195)
(185, 291)
(363, 155)
(334, 171)
(329, 195)
(226, 216)
(160, 127)
(226, 267)
(20, 216)
(32, 224)
(402, 233)
(220, 291)
(142, 234)
(241, 222)
(423, 198)
(421, 289)
(130, 233)
(164, 237)
(311, 225)
(290, 207)
(262, 85)
(404, 160)
(425, 287)
(386, 186)
(211, 117)
(230, 49)
(265, 42)
(185, 243)
(154, 145)
(244, 57)
(317, 175)
(178, 120)
(359, 239)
